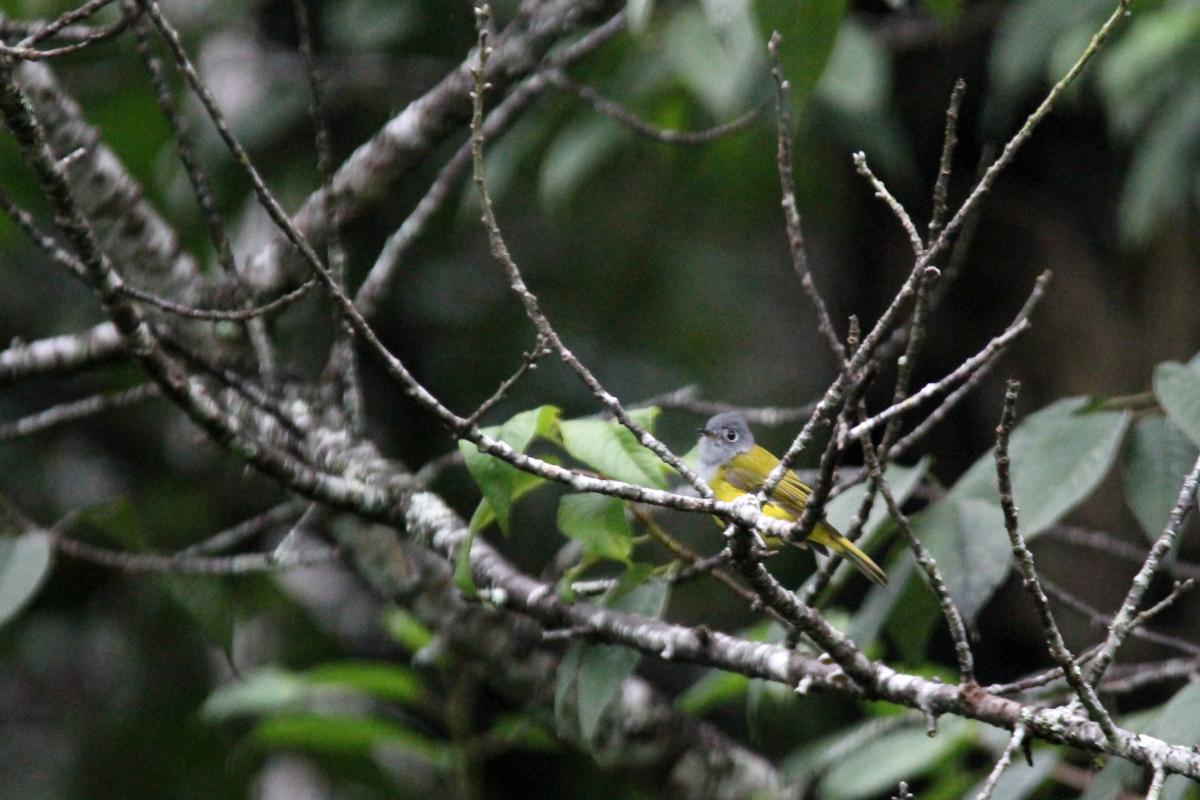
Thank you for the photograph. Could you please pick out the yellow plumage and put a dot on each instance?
(746, 472)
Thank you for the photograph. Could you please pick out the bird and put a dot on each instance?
(733, 466)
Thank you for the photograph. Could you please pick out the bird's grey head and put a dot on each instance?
(723, 437)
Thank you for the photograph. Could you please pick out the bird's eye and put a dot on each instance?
(730, 435)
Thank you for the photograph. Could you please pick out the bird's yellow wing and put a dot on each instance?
(747, 471)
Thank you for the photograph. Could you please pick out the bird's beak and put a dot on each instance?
(706, 433)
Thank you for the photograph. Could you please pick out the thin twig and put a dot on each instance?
(791, 213)
(1125, 619)
(202, 190)
(343, 360)
(1025, 564)
(949, 140)
(179, 564)
(75, 410)
(1102, 621)
(963, 371)
(25, 50)
(216, 314)
(691, 559)
(383, 272)
(685, 399)
(624, 116)
(528, 300)
(528, 362)
(954, 620)
(1118, 548)
(882, 192)
(1014, 744)
(1039, 679)
(246, 529)
(1123, 679)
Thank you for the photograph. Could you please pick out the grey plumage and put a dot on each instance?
(723, 437)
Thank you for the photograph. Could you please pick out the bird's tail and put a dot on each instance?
(827, 535)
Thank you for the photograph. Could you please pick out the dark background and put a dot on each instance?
(661, 267)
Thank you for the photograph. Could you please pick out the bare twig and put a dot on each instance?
(685, 399)
(1024, 559)
(1118, 548)
(201, 187)
(963, 371)
(1102, 621)
(1039, 679)
(1124, 621)
(247, 529)
(528, 362)
(180, 564)
(1014, 744)
(624, 116)
(791, 212)
(958, 629)
(342, 363)
(215, 314)
(25, 50)
(530, 302)
(881, 191)
(78, 409)
(949, 140)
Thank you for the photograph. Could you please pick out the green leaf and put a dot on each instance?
(1118, 777)
(1025, 38)
(718, 65)
(599, 523)
(498, 479)
(523, 483)
(857, 80)
(612, 450)
(714, 689)
(602, 670)
(117, 521)
(593, 673)
(902, 481)
(519, 731)
(1140, 70)
(968, 539)
(275, 691)
(1177, 388)
(904, 754)
(208, 600)
(406, 630)
(25, 562)
(1058, 457)
(344, 735)
(809, 29)
(464, 579)
(376, 679)
(266, 691)
(1160, 181)
(881, 601)
(577, 150)
(1157, 458)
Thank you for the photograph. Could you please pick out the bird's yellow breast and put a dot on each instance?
(726, 492)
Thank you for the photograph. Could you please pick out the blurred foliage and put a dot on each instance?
(1148, 81)
(662, 267)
